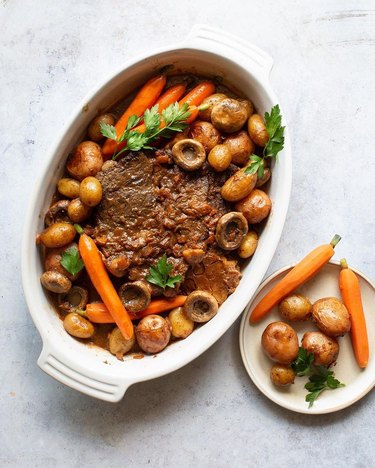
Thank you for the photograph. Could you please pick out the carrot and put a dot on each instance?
(351, 295)
(198, 94)
(302, 272)
(145, 98)
(102, 283)
(97, 312)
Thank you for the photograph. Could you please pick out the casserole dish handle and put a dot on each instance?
(216, 40)
(72, 374)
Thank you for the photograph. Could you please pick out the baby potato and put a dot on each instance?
(280, 342)
(68, 187)
(282, 375)
(257, 130)
(86, 160)
(78, 211)
(238, 186)
(118, 345)
(331, 316)
(90, 191)
(265, 178)
(78, 326)
(230, 115)
(208, 103)
(58, 235)
(325, 348)
(219, 158)
(248, 245)
(205, 133)
(94, 128)
(52, 260)
(295, 307)
(182, 326)
(153, 333)
(240, 147)
(256, 206)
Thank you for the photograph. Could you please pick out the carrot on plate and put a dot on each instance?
(102, 283)
(145, 98)
(351, 295)
(298, 275)
(97, 312)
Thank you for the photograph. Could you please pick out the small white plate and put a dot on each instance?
(357, 382)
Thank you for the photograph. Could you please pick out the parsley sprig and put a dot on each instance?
(71, 261)
(320, 378)
(159, 274)
(274, 145)
(172, 119)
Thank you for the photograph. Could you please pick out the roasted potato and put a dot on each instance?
(78, 326)
(182, 325)
(58, 235)
(331, 316)
(282, 375)
(205, 133)
(52, 260)
(94, 131)
(68, 187)
(220, 158)
(257, 130)
(153, 333)
(86, 160)
(238, 186)
(295, 307)
(256, 206)
(90, 191)
(78, 211)
(325, 348)
(208, 104)
(240, 147)
(248, 245)
(55, 282)
(230, 115)
(118, 345)
(280, 342)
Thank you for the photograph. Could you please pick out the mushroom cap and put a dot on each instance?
(200, 306)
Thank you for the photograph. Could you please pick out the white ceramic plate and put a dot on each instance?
(357, 382)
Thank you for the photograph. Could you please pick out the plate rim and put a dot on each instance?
(262, 389)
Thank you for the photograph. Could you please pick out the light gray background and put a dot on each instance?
(208, 413)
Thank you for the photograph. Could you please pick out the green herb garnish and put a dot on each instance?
(173, 118)
(159, 274)
(274, 145)
(302, 365)
(71, 261)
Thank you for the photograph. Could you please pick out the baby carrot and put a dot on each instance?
(145, 98)
(302, 272)
(351, 295)
(102, 283)
(97, 312)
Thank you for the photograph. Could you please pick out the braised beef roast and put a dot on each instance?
(149, 209)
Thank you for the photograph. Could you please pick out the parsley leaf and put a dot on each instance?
(159, 274)
(302, 365)
(274, 145)
(172, 119)
(322, 379)
(71, 261)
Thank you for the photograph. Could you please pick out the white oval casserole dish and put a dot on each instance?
(95, 371)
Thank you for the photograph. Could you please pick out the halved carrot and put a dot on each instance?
(302, 272)
(102, 283)
(98, 312)
(145, 98)
(351, 295)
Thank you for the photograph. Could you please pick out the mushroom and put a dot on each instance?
(118, 345)
(75, 299)
(135, 296)
(55, 282)
(58, 212)
(230, 115)
(78, 326)
(230, 230)
(193, 256)
(189, 154)
(200, 306)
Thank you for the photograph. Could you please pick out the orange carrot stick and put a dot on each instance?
(351, 295)
(197, 95)
(102, 283)
(302, 272)
(97, 312)
(145, 98)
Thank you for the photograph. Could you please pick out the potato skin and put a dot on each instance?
(56, 282)
(94, 128)
(240, 147)
(238, 186)
(230, 115)
(78, 326)
(331, 316)
(181, 325)
(257, 130)
(78, 211)
(53, 258)
(280, 342)
(153, 334)
(205, 133)
(86, 160)
(266, 177)
(256, 206)
(248, 245)
(295, 307)
(219, 158)
(58, 235)
(68, 187)
(90, 191)
(325, 348)
(118, 345)
(282, 375)
(210, 101)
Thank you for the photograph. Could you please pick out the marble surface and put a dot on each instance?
(208, 413)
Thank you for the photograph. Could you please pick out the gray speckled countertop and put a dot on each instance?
(208, 413)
